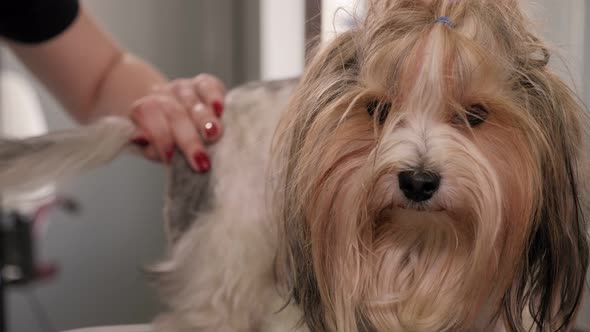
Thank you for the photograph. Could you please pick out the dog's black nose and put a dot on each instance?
(418, 186)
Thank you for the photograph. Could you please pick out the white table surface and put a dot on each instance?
(121, 328)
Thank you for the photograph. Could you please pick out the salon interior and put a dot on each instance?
(93, 243)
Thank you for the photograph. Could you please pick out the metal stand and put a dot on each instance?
(18, 265)
(16, 258)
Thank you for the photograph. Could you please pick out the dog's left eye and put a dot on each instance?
(475, 116)
(380, 109)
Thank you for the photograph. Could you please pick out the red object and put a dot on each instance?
(218, 108)
(211, 130)
(202, 161)
(46, 271)
(140, 142)
(169, 155)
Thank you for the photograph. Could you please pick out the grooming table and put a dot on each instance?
(120, 328)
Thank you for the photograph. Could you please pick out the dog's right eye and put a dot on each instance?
(475, 116)
(380, 109)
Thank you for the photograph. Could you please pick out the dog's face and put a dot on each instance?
(432, 176)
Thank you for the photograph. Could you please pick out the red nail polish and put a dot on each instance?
(202, 161)
(140, 142)
(211, 130)
(169, 155)
(218, 108)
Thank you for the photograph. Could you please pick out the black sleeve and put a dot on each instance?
(36, 21)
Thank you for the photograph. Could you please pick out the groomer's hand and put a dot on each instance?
(183, 114)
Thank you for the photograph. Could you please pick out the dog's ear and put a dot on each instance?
(550, 283)
(337, 60)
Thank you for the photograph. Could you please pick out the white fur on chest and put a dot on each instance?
(220, 276)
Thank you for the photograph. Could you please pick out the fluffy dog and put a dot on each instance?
(428, 174)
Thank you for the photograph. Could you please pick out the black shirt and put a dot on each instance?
(36, 21)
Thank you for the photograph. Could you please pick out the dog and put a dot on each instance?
(428, 172)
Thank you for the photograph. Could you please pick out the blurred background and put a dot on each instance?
(102, 250)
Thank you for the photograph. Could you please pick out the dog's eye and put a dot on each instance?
(380, 109)
(475, 116)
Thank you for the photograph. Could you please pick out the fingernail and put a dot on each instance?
(169, 155)
(141, 142)
(218, 108)
(202, 161)
(211, 129)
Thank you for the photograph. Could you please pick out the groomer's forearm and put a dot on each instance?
(126, 80)
(87, 71)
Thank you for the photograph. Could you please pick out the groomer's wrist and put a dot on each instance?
(127, 80)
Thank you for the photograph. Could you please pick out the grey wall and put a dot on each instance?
(120, 229)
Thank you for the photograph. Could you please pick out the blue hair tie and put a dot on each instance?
(446, 20)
